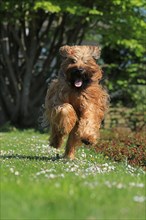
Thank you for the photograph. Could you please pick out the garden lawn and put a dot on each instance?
(35, 186)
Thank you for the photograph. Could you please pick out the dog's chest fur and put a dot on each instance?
(81, 100)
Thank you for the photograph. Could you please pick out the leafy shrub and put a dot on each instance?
(124, 146)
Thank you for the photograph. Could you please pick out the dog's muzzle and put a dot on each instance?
(77, 77)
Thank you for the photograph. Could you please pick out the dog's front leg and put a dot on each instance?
(56, 138)
(63, 119)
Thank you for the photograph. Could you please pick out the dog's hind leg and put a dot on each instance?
(72, 142)
(89, 125)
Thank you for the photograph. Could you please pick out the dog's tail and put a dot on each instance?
(43, 119)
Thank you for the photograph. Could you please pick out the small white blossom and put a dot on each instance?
(12, 170)
(120, 186)
(139, 185)
(16, 173)
(139, 199)
(52, 176)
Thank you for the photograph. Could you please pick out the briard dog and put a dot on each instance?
(75, 102)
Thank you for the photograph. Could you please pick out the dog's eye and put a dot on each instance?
(73, 60)
(86, 61)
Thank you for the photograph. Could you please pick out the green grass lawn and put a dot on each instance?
(33, 186)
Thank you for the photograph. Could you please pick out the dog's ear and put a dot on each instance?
(64, 51)
(95, 51)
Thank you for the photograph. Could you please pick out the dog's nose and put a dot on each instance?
(78, 70)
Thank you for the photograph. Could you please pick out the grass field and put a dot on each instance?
(35, 186)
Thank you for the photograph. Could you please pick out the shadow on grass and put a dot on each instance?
(21, 157)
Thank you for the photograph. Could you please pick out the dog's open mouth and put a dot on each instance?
(78, 78)
(78, 83)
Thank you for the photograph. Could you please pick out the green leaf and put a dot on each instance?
(47, 6)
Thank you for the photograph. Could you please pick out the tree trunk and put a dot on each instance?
(29, 56)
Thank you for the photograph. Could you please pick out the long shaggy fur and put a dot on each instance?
(75, 103)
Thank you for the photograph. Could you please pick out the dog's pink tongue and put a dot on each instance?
(78, 83)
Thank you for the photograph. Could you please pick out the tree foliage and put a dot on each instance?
(32, 32)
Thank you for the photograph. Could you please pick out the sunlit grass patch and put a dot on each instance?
(35, 186)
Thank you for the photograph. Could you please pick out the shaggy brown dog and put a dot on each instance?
(75, 103)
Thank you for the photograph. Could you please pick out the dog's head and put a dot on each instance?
(79, 67)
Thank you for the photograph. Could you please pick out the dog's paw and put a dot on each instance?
(86, 142)
(69, 156)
